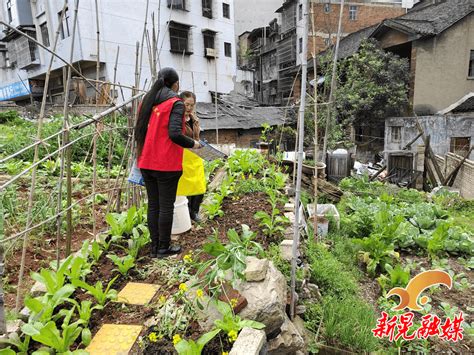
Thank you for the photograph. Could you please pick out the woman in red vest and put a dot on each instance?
(160, 137)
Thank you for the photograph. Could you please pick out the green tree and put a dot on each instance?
(373, 85)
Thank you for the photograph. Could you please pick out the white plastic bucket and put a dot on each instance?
(181, 218)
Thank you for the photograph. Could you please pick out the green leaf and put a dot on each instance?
(251, 324)
(206, 338)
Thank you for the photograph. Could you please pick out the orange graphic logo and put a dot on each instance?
(409, 295)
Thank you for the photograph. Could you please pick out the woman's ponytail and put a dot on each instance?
(166, 77)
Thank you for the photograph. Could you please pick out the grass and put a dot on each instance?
(347, 319)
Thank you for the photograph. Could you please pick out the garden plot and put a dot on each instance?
(77, 299)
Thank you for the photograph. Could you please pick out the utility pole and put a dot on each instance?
(296, 226)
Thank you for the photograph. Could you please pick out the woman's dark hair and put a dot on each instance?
(166, 78)
(188, 94)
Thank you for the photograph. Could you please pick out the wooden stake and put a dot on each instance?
(215, 100)
(333, 83)
(3, 323)
(31, 196)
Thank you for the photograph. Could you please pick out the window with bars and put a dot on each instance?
(207, 8)
(177, 4)
(471, 65)
(227, 49)
(225, 10)
(209, 43)
(65, 25)
(9, 11)
(460, 145)
(300, 45)
(179, 38)
(396, 134)
(327, 8)
(352, 12)
(300, 12)
(44, 33)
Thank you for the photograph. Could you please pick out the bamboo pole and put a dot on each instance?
(111, 136)
(94, 139)
(296, 226)
(315, 102)
(66, 156)
(143, 39)
(31, 196)
(333, 82)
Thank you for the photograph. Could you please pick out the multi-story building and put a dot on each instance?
(196, 37)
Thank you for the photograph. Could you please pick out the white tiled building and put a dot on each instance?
(191, 32)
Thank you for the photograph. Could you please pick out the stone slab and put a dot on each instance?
(114, 339)
(137, 293)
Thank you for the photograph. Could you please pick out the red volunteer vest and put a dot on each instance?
(159, 152)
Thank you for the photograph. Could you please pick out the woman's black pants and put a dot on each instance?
(161, 189)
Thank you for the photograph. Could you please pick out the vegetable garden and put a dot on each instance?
(387, 236)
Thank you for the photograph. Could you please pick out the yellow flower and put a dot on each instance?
(188, 258)
(153, 337)
(176, 339)
(199, 293)
(162, 299)
(183, 287)
(232, 336)
(234, 302)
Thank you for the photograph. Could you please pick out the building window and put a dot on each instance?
(300, 12)
(9, 11)
(209, 43)
(179, 38)
(225, 10)
(207, 8)
(396, 133)
(44, 34)
(300, 45)
(352, 12)
(460, 145)
(177, 4)
(227, 49)
(471, 65)
(327, 8)
(65, 26)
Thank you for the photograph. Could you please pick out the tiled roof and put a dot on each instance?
(241, 115)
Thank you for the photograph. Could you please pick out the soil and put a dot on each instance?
(41, 252)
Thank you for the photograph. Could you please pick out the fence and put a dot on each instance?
(464, 181)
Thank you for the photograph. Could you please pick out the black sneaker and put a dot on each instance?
(171, 250)
(197, 218)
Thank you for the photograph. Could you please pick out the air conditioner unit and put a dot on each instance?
(211, 52)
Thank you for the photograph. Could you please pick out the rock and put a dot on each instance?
(314, 291)
(286, 249)
(14, 326)
(256, 269)
(38, 289)
(298, 322)
(289, 207)
(288, 342)
(24, 314)
(290, 216)
(300, 309)
(250, 342)
(289, 233)
(266, 299)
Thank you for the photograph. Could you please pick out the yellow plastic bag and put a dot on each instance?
(193, 180)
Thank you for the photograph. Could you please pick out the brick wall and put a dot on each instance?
(367, 15)
(465, 177)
